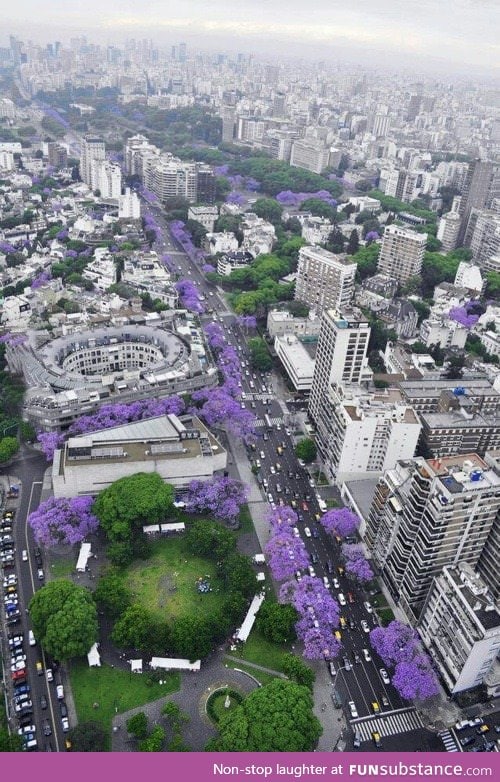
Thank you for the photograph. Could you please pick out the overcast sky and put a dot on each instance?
(454, 33)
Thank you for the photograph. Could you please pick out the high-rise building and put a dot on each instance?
(363, 434)
(309, 154)
(460, 626)
(402, 253)
(129, 205)
(107, 178)
(93, 149)
(340, 358)
(57, 154)
(448, 230)
(228, 116)
(489, 562)
(324, 280)
(476, 191)
(414, 107)
(428, 514)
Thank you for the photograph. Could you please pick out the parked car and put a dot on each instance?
(384, 676)
(353, 709)
(60, 692)
(364, 626)
(65, 724)
(367, 655)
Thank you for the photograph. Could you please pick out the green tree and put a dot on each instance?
(64, 619)
(10, 742)
(136, 628)
(154, 742)
(111, 594)
(276, 621)
(353, 243)
(88, 737)
(492, 285)
(297, 670)
(129, 503)
(306, 450)
(260, 357)
(210, 539)
(8, 447)
(191, 637)
(197, 231)
(137, 725)
(269, 209)
(455, 367)
(275, 718)
(319, 208)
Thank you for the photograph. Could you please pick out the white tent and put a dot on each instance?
(259, 559)
(261, 576)
(135, 666)
(151, 529)
(83, 557)
(177, 526)
(94, 657)
(244, 631)
(174, 664)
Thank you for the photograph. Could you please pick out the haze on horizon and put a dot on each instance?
(460, 36)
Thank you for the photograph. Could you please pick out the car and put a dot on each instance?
(27, 729)
(25, 718)
(64, 709)
(475, 721)
(367, 655)
(326, 582)
(311, 483)
(352, 623)
(356, 657)
(364, 626)
(293, 504)
(49, 674)
(262, 455)
(357, 740)
(340, 570)
(497, 728)
(335, 581)
(466, 740)
(39, 667)
(65, 724)
(314, 558)
(29, 742)
(43, 702)
(350, 597)
(60, 692)
(24, 555)
(18, 665)
(305, 506)
(315, 532)
(311, 571)
(272, 469)
(11, 579)
(353, 709)
(47, 730)
(489, 746)
(332, 669)
(341, 599)
(18, 675)
(347, 664)
(278, 488)
(343, 622)
(375, 707)
(384, 700)
(258, 464)
(21, 689)
(298, 575)
(376, 739)
(27, 704)
(368, 607)
(338, 635)
(31, 638)
(482, 729)
(307, 532)
(11, 599)
(300, 516)
(38, 555)
(270, 497)
(384, 676)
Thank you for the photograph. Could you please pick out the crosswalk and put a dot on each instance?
(388, 724)
(274, 421)
(448, 741)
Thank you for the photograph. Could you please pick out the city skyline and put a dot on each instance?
(442, 39)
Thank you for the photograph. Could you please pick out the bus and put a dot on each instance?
(267, 422)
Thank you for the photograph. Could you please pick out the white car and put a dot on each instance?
(273, 469)
(312, 571)
(50, 675)
(27, 729)
(352, 707)
(368, 607)
(31, 638)
(367, 655)
(384, 676)
(262, 455)
(60, 692)
(296, 532)
(336, 583)
(24, 555)
(307, 532)
(326, 582)
(364, 626)
(341, 599)
(65, 724)
(270, 498)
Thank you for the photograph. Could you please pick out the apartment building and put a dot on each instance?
(324, 280)
(401, 253)
(428, 514)
(93, 149)
(460, 626)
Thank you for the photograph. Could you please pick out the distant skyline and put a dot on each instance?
(458, 35)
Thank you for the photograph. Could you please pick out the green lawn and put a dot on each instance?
(261, 676)
(246, 521)
(115, 691)
(165, 584)
(261, 651)
(62, 569)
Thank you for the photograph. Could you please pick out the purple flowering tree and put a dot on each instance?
(41, 279)
(247, 322)
(190, 296)
(372, 236)
(340, 522)
(221, 497)
(285, 554)
(356, 565)
(50, 442)
(63, 520)
(463, 315)
(398, 645)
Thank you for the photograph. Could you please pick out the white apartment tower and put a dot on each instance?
(428, 514)
(108, 179)
(129, 205)
(340, 358)
(460, 626)
(92, 149)
(402, 253)
(324, 280)
(367, 433)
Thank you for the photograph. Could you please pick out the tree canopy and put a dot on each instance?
(130, 502)
(306, 450)
(64, 619)
(275, 718)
